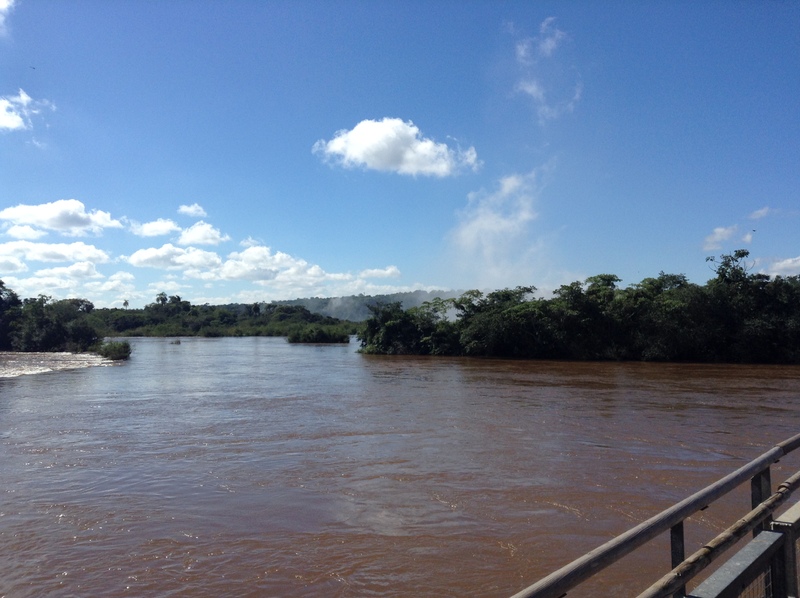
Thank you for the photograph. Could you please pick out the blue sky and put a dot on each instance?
(245, 151)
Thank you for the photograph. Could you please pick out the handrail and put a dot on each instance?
(557, 583)
(690, 567)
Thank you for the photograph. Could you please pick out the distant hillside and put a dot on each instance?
(355, 307)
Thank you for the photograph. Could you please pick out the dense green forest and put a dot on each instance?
(44, 324)
(736, 317)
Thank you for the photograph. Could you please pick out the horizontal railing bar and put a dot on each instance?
(708, 553)
(557, 583)
(787, 446)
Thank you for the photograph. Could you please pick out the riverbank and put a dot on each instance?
(15, 363)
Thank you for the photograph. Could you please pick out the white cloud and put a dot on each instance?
(306, 280)
(202, 233)
(758, 214)
(119, 284)
(258, 263)
(387, 272)
(167, 286)
(122, 276)
(23, 231)
(16, 112)
(53, 252)
(5, 9)
(787, 267)
(10, 264)
(61, 281)
(392, 145)
(169, 257)
(76, 271)
(194, 210)
(12, 112)
(156, 228)
(718, 236)
(47, 285)
(66, 216)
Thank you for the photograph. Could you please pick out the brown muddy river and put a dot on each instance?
(251, 467)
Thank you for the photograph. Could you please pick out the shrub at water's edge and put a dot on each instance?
(115, 350)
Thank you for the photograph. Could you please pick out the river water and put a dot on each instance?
(252, 467)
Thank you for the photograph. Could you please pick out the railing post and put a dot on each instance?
(678, 550)
(761, 490)
(788, 524)
(777, 570)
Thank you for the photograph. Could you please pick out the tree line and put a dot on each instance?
(173, 316)
(45, 324)
(736, 317)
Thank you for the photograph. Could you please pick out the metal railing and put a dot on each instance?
(766, 567)
(684, 569)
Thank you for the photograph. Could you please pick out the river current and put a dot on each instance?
(252, 467)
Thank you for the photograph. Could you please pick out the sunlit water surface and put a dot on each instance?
(252, 467)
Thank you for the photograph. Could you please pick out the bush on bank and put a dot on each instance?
(116, 350)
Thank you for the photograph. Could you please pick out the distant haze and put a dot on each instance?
(356, 307)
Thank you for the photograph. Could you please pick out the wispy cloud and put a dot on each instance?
(718, 236)
(554, 88)
(17, 112)
(531, 49)
(759, 214)
(492, 242)
(65, 216)
(394, 145)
